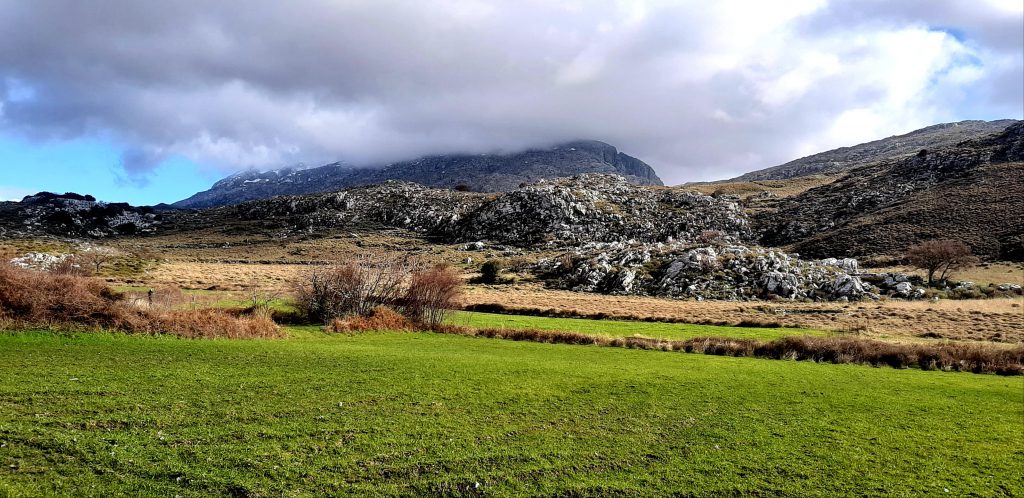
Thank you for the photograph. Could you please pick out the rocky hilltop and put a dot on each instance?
(562, 212)
(846, 158)
(972, 191)
(74, 215)
(478, 173)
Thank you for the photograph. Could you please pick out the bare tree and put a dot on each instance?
(94, 257)
(940, 256)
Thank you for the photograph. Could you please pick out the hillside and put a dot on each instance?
(973, 191)
(847, 158)
(478, 173)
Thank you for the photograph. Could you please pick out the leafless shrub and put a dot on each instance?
(358, 287)
(432, 295)
(69, 265)
(94, 257)
(354, 287)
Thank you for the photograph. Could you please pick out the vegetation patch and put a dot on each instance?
(30, 298)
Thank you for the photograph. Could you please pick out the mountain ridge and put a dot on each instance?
(842, 159)
(481, 173)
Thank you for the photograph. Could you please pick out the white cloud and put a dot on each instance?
(699, 90)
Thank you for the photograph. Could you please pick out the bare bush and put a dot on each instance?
(361, 286)
(354, 287)
(940, 256)
(432, 295)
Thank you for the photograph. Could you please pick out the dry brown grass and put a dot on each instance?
(38, 299)
(948, 356)
(380, 318)
(1000, 320)
(982, 275)
(781, 188)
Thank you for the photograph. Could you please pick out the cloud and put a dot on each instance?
(699, 90)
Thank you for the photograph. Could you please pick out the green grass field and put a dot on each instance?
(428, 414)
(617, 328)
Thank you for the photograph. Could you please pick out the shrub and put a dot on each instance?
(358, 288)
(432, 295)
(353, 287)
(490, 272)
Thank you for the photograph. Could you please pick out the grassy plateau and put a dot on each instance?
(431, 414)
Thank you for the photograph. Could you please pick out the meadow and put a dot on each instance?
(430, 414)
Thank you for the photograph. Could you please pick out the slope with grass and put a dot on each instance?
(428, 414)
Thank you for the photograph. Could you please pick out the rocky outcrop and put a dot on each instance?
(566, 212)
(73, 215)
(730, 272)
(602, 208)
(478, 173)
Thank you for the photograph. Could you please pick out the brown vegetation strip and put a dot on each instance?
(497, 308)
(48, 300)
(975, 358)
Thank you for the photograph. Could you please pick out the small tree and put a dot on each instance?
(940, 256)
(490, 272)
(94, 257)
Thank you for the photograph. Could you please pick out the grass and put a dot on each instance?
(617, 328)
(430, 414)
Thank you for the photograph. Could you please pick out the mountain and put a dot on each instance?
(972, 191)
(480, 173)
(846, 158)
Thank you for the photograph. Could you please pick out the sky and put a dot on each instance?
(149, 102)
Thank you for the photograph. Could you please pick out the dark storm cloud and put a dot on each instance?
(698, 90)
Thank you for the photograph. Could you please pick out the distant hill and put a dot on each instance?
(846, 158)
(478, 173)
(972, 191)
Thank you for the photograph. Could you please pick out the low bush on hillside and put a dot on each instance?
(31, 298)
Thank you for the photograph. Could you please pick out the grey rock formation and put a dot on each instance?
(732, 272)
(478, 173)
(565, 212)
(73, 215)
